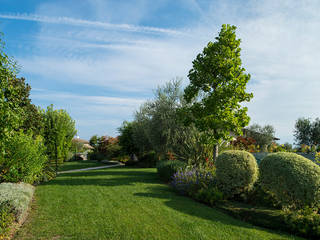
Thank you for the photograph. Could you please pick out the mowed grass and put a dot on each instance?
(127, 203)
(79, 164)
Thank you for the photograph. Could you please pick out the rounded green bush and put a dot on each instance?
(167, 168)
(293, 179)
(236, 172)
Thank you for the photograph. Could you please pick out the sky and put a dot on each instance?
(101, 59)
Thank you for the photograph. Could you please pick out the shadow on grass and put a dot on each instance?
(105, 177)
(191, 207)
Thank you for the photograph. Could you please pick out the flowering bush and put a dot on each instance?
(199, 183)
(190, 180)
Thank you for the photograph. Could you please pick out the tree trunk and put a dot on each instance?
(215, 152)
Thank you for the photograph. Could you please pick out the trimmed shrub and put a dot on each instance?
(293, 179)
(166, 169)
(25, 159)
(236, 172)
(19, 195)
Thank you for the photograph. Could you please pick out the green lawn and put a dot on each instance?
(79, 164)
(127, 203)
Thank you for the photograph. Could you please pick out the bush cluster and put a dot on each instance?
(167, 168)
(293, 179)
(236, 172)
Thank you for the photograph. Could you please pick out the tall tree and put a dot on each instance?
(217, 88)
(59, 130)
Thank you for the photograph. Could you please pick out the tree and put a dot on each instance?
(303, 131)
(307, 132)
(263, 135)
(10, 112)
(217, 89)
(59, 130)
(126, 140)
(31, 116)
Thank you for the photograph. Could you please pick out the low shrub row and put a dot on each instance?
(15, 199)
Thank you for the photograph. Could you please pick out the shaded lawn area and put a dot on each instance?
(66, 166)
(127, 203)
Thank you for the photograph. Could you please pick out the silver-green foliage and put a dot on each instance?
(236, 172)
(19, 195)
(158, 127)
(293, 179)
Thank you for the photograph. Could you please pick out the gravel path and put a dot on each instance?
(91, 168)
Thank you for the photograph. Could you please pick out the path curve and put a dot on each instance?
(91, 168)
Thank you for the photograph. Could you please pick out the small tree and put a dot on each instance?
(59, 130)
(217, 87)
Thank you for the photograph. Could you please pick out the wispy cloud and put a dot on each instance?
(87, 23)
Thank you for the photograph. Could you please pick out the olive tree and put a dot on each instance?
(217, 88)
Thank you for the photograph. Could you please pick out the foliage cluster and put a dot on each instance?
(158, 127)
(105, 148)
(27, 133)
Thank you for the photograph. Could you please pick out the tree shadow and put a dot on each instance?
(191, 207)
(105, 177)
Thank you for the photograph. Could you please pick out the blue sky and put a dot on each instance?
(100, 59)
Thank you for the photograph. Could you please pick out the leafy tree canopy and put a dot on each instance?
(218, 87)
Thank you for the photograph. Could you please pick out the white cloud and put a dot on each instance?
(87, 23)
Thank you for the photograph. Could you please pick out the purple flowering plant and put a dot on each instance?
(190, 180)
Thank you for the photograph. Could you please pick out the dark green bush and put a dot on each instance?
(166, 169)
(292, 179)
(209, 194)
(149, 159)
(24, 160)
(236, 172)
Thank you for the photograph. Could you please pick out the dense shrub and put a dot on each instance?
(293, 179)
(236, 172)
(25, 159)
(166, 169)
(257, 196)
